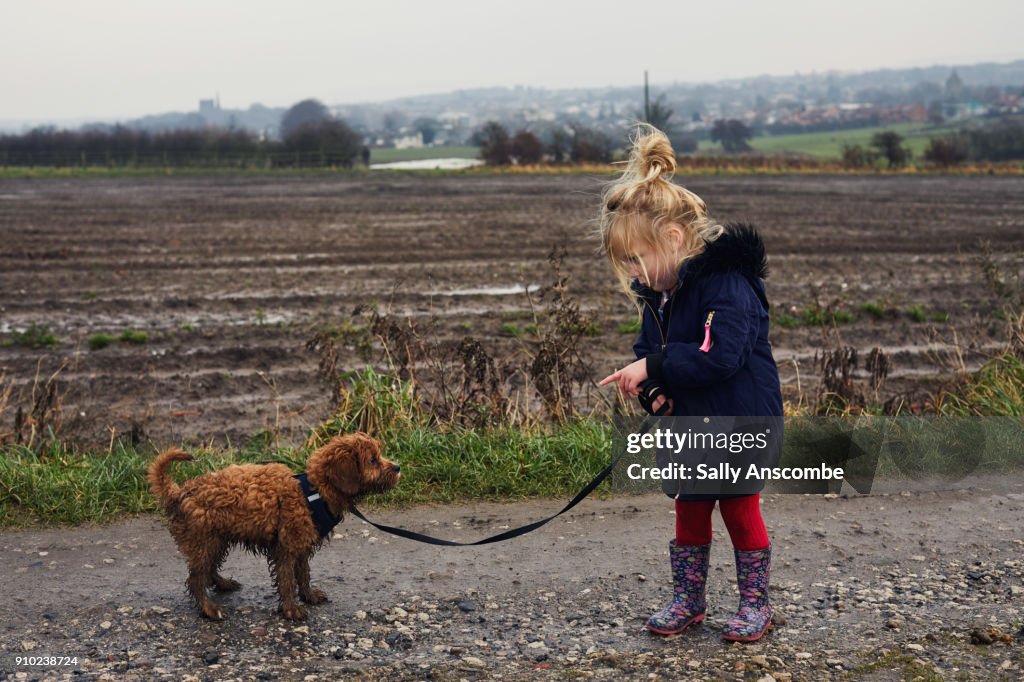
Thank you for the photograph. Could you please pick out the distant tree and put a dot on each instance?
(732, 134)
(683, 143)
(230, 147)
(306, 112)
(658, 114)
(590, 146)
(890, 146)
(559, 145)
(495, 145)
(328, 143)
(118, 146)
(855, 156)
(527, 148)
(947, 151)
(427, 127)
(393, 121)
(1003, 141)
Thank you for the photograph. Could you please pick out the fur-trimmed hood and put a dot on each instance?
(738, 249)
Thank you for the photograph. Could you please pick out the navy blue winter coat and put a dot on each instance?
(737, 376)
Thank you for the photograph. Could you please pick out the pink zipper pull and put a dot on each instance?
(706, 346)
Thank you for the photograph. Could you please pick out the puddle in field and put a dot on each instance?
(789, 355)
(489, 291)
(428, 164)
(116, 323)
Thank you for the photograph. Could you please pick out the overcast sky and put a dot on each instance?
(118, 59)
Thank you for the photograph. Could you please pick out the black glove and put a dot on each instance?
(650, 391)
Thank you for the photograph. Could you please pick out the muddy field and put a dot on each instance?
(229, 277)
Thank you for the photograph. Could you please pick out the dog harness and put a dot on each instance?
(323, 519)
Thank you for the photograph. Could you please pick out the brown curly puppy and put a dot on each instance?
(262, 507)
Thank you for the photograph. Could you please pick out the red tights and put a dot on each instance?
(742, 517)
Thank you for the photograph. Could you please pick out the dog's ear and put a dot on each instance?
(367, 449)
(340, 466)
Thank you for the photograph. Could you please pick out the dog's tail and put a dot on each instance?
(160, 481)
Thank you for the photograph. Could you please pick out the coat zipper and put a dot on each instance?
(657, 318)
(661, 331)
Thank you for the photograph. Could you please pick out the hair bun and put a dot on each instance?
(655, 155)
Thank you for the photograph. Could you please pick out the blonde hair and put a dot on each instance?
(641, 206)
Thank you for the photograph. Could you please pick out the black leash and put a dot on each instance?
(509, 534)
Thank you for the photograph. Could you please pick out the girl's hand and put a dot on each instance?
(629, 377)
(661, 400)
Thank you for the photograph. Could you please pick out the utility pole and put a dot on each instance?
(647, 100)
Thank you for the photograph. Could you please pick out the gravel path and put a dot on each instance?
(887, 587)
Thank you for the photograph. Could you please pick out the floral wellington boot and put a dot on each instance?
(754, 617)
(689, 575)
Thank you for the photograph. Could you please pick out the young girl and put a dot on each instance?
(703, 350)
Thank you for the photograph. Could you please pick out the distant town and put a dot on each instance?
(769, 105)
(971, 111)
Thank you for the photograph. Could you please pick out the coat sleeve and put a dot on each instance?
(644, 345)
(734, 331)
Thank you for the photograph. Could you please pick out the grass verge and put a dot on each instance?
(58, 486)
(977, 431)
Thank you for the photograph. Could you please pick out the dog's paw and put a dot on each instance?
(213, 612)
(293, 612)
(315, 597)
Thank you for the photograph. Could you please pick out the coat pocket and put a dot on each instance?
(706, 346)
